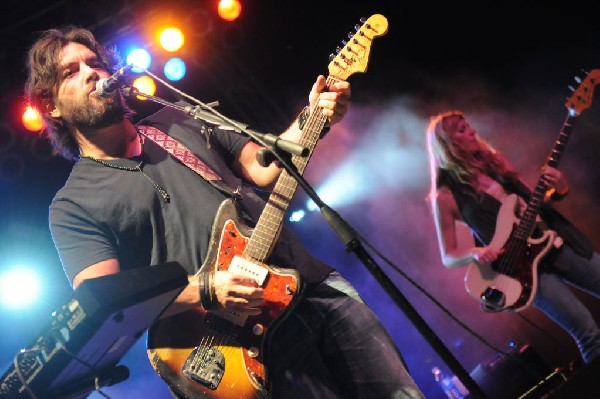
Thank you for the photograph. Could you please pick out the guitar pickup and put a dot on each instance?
(247, 268)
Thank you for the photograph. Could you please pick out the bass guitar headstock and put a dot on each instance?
(581, 99)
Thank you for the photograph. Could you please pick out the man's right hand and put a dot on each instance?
(238, 293)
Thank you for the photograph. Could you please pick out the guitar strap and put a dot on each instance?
(188, 158)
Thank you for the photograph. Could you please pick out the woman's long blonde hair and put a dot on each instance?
(460, 165)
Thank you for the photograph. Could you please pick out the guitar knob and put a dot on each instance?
(258, 329)
(253, 352)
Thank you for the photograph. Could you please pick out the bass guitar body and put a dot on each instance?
(221, 355)
(510, 283)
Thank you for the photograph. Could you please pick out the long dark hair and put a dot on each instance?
(44, 77)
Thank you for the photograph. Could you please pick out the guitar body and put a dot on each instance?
(218, 355)
(513, 288)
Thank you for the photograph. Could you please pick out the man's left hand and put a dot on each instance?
(334, 100)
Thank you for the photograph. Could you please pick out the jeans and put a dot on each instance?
(333, 346)
(559, 303)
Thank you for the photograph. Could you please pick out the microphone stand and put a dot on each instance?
(269, 141)
(350, 239)
(344, 231)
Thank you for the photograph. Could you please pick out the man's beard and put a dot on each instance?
(90, 114)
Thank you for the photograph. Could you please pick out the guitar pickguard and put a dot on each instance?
(508, 288)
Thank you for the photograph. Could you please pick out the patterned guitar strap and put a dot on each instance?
(186, 157)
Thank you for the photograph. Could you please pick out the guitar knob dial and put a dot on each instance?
(253, 352)
(258, 329)
(288, 289)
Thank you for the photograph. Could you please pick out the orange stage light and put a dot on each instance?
(229, 10)
(32, 119)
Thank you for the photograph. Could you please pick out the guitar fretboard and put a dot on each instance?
(527, 223)
(270, 220)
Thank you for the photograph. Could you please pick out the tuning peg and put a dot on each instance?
(337, 50)
(571, 88)
(357, 27)
(584, 71)
(331, 57)
(344, 42)
(363, 20)
(577, 79)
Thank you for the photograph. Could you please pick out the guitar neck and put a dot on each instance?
(352, 58)
(271, 218)
(528, 220)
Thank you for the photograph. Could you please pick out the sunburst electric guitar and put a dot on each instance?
(220, 354)
(510, 283)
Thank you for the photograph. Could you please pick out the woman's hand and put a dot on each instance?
(486, 254)
(554, 179)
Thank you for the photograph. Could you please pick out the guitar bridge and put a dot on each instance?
(205, 365)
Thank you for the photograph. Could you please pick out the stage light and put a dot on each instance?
(171, 39)
(140, 58)
(229, 10)
(297, 216)
(145, 84)
(19, 287)
(174, 69)
(32, 119)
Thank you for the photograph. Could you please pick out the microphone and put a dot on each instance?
(105, 87)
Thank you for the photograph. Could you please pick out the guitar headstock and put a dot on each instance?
(581, 99)
(354, 56)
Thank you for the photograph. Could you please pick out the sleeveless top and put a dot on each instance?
(480, 213)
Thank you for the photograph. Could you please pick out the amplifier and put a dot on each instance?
(79, 348)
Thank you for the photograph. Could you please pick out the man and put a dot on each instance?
(128, 203)
(470, 182)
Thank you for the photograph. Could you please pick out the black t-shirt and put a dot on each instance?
(104, 212)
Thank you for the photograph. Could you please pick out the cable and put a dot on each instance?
(20, 373)
(207, 107)
(90, 367)
(541, 330)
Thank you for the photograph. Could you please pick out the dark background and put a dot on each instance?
(507, 65)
